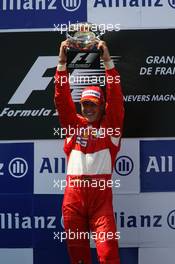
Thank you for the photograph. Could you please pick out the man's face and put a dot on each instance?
(91, 111)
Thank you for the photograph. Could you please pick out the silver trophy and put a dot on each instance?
(83, 36)
(83, 40)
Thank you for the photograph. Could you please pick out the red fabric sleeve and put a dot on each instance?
(114, 100)
(63, 100)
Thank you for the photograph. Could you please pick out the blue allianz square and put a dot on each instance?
(157, 161)
(16, 167)
(128, 255)
(41, 15)
(48, 207)
(16, 221)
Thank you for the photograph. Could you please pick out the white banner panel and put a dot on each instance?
(126, 207)
(156, 255)
(146, 219)
(50, 167)
(16, 255)
(132, 14)
(159, 230)
(160, 16)
(126, 167)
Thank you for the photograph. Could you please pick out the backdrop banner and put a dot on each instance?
(41, 14)
(144, 59)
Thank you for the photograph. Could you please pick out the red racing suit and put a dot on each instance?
(90, 157)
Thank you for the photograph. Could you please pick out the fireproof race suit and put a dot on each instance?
(91, 157)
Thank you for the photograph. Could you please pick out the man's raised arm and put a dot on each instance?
(62, 98)
(114, 97)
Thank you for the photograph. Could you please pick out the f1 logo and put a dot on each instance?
(83, 60)
(86, 57)
(34, 80)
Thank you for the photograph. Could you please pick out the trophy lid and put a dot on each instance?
(83, 32)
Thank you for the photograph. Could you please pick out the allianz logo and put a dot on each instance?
(68, 5)
(17, 167)
(16, 221)
(123, 220)
(124, 165)
(158, 164)
(53, 165)
(28, 5)
(129, 3)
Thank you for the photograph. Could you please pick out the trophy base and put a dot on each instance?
(77, 59)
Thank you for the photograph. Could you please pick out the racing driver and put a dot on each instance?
(91, 157)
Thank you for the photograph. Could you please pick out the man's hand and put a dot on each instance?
(62, 52)
(105, 56)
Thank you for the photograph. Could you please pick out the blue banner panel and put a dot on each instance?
(23, 14)
(49, 231)
(128, 255)
(157, 165)
(16, 221)
(16, 167)
(55, 256)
